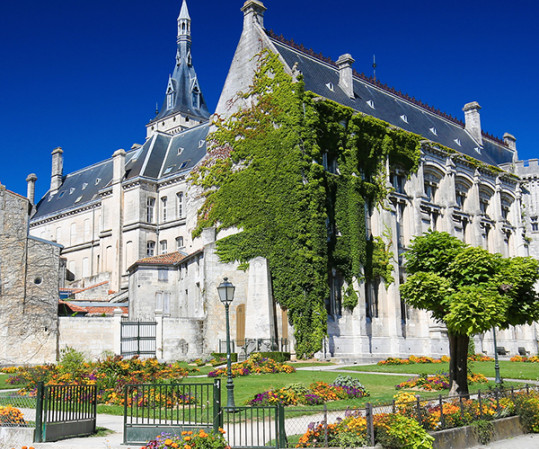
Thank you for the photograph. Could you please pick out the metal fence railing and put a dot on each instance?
(450, 411)
(254, 426)
(151, 408)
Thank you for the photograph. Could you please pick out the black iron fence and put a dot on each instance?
(65, 411)
(138, 338)
(436, 413)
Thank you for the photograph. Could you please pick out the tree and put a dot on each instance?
(470, 290)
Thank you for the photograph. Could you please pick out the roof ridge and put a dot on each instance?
(377, 83)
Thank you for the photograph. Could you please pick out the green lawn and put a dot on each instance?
(509, 370)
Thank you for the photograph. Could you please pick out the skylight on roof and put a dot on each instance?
(478, 150)
(97, 181)
(457, 141)
(84, 185)
(370, 103)
(330, 87)
(78, 199)
(71, 190)
(61, 194)
(433, 131)
(168, 170)
(180, 150)
(404, 118)
(201, 143)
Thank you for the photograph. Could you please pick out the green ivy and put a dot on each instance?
(295, 174)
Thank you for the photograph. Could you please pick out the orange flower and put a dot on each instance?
(184, 432)
(168, 442)
(187, 438)
(187, 446)
(174, 445)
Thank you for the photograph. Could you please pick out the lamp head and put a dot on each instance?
(226, 291)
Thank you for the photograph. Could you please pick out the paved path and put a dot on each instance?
(530, 441)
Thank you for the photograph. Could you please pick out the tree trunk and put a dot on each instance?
(458, 365)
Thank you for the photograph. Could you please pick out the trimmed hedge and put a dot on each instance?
(277, 356)
(222, 355)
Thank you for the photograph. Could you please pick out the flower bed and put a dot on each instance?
(109, 375)
(520, 358)
(436, 382)
(407, 427)
(11, 416)
(189, 440)
(256, 364)
(317, 393)
(412, 360)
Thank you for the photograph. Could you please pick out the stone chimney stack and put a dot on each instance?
(253, 12)
(510, 141)
(118, 166)
(472, 121)
(31, 187)
(346, 83)
(57, 169)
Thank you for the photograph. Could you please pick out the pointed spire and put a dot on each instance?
(184, 12)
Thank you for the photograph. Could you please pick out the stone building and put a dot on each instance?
(30, 276)
(115, 218)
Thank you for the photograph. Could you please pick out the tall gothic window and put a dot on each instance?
(164, 208)
(180, 206)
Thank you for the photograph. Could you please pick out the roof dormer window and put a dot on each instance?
(433, 131)
(370, 103)
(457, 141)
(404, 118)
(330, 87)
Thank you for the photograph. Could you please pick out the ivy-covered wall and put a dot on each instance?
(297, 174)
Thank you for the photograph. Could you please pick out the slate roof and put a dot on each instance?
(161, 156)
(321, 77)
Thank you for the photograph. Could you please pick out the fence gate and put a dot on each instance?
(138, 338)
(150, 409)
(65, 411)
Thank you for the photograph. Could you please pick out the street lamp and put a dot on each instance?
(226, 295)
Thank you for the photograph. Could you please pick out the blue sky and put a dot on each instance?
(86, 75)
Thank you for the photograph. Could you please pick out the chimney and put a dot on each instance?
(253, 13)
(510, 141)
(118, 166)
(472, 121)
(346, 83)
(31, 187)
(57, 169)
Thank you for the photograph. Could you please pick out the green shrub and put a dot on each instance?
(276, 355)
(400, 432)
(222, 355)
(527, 407)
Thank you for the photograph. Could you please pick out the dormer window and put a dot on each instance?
(370, 103)
(330, 87)
(170, 100)
(433, 131)
(457, 141)
(404, 118)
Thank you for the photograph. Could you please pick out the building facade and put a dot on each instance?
(116, 218)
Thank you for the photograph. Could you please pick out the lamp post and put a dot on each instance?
(226, 295)
(498, 379)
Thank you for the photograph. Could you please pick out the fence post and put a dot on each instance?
(442, 417)
(325, 425)
(418, 409)
(370, 422)
(480, 404)
(282, 440)
(38, 437)
(217, 415)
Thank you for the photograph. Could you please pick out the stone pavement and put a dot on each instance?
(530, 441)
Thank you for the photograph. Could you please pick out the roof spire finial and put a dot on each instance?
(184, 24)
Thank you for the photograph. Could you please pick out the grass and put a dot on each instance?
(508, 370)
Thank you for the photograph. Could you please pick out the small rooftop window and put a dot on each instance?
(180, 150)
(168, 170)
(370, 103)
(97, 181)
(78, 199)
(433, 131)
(478, 150)
(51, 196)
(84, 185)
(71, 190)
(404, 118)
(457, 141)
(330, 87)
(201, 143)
(61, 194)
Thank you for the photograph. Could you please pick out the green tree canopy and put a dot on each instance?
(470, 290)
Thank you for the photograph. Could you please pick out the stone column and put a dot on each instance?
(116, 219)
(117, 325)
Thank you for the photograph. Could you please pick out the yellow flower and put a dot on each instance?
(168, 442)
